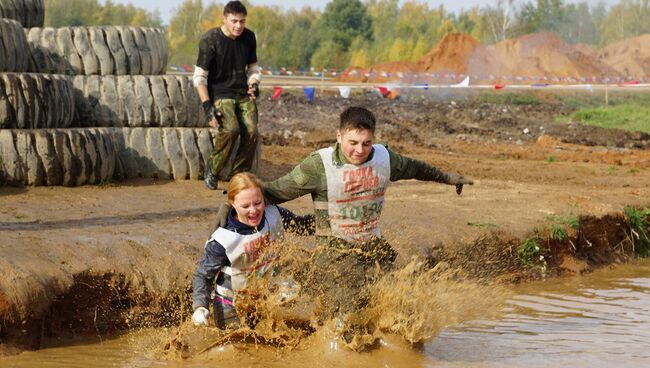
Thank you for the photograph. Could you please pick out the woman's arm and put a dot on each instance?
(213, 260)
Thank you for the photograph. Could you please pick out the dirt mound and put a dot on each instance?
(630, 57)
(460, 53)
(586, 49)
(546, 54)
(534, 56)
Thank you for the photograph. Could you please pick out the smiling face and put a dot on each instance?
(249, 205)
(356, 144)
(234, 24)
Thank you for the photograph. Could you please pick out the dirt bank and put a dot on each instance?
(534, 58)
(97, 259)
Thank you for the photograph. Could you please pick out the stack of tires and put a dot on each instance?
(86, 105)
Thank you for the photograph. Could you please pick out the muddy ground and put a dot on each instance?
(105, 258)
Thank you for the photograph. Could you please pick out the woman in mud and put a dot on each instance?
(239, 248)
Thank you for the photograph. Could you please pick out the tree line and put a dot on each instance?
(362, 33)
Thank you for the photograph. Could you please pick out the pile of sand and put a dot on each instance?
(532, 56)
(546, 54)
(459, 53)
(629, 57)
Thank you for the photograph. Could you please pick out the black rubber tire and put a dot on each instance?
(14, 49)
(80, 156)
(29, 13)
(29, 101)
(136, 101)
(103, 50)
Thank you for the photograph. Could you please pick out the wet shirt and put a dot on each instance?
(226, 60)
(309, 178)
(214, 257)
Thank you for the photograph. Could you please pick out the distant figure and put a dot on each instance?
(227, 80)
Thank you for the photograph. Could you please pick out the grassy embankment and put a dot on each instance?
(624, 110)
(627, 110)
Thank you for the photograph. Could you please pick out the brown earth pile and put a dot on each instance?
(460, 53)
(546, 54)
(629, 57)
(534, 55)
(586, 49)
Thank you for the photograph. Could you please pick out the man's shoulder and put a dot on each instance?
(311, 165)
(314, 157)
(212, 34)
(248, 33)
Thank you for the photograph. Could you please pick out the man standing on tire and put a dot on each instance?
(227, 80)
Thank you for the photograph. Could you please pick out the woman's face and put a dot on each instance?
(249, 205)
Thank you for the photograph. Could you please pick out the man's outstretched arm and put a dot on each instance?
(403, 168)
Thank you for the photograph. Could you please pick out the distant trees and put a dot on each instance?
(365, 32)
(62, 13)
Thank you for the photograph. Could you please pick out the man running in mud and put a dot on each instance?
(227, 80)
(347, 183)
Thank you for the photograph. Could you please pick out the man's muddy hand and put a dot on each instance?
(212, 114)
(254, 90)
(456, 179)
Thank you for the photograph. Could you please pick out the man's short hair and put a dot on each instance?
(234, 7)
(356, 118)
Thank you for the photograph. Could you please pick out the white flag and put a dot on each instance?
(463, 84)
(345, 91)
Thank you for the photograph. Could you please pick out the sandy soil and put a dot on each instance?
(92, 258)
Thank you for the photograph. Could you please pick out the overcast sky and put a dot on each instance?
(165, 7)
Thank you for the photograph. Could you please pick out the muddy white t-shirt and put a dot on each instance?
(355, 194)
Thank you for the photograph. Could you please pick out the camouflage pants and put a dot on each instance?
(239, 120)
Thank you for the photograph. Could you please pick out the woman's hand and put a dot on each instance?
(200, 316)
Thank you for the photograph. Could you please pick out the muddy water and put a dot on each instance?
(598, 320)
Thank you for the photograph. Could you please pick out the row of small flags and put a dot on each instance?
(371, 75)
(491, 77)
(310, 92)
(419, 76)
(392, 91)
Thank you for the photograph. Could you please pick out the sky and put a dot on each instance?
(165, 7)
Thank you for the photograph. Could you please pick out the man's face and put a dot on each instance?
(356, 144)
(235, 24)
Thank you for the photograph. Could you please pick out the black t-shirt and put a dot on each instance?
(226, 60)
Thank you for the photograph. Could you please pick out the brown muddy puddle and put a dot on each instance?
(597, 320)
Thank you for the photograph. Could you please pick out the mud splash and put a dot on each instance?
(409, 304)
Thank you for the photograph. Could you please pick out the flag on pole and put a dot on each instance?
(277, 91)
(310, 92)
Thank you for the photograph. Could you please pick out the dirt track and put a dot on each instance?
(74, 259)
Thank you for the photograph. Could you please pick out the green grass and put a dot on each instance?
(509, 98)
(632, 117)
(569, 220)
(529, 251)
(639, 223)
(551, 159)
(558, 233)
